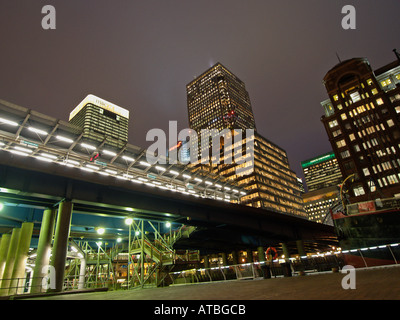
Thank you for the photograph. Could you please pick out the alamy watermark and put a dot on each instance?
(228, 146)
(349, 281)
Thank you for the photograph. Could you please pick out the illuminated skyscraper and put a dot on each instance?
(362, 120)
(101, 120)
(218, 99)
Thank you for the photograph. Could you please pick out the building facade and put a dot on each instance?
(218, 99)
(322, 171)
(323, 178)
(101, 120)
(362, 120)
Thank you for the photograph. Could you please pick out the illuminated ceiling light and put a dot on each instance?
(100, 231)
(88, 146)
(197, 179)
(218, 185)
(186, 176)
(61, 138)
(45, 159)
(11, 123)
(119, 240)
(19, 153)
(77, 163)
(168, 224)
(110, 153)
(26, 150)
(209, 183)
(160, 168)
(144, 163)
(173, 172)
(92, 167)
(38, 131)
(128, 221)
(227, 188)
(48, 155)
(1, 206)
(128, 158)
(111, 171)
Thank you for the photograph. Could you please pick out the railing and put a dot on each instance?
(18, 286)
(259, 270)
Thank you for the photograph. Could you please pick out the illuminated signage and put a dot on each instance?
(100, 103)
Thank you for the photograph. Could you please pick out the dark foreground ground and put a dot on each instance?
(370, 284)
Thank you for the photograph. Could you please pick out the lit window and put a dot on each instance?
(355, 96)
(336, 97)
(379, 101)
(343, 116)
(358, 191)
(333, 123)
(386, 82)
(390, 123)
(341, 143)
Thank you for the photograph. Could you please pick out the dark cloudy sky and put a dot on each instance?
(141, 54)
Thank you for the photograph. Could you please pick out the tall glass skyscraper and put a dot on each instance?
(218, 99)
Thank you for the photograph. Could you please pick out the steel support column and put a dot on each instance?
(44, 249)
(60, 246)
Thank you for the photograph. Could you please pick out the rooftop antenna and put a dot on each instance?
(397, 54)
(337, 55)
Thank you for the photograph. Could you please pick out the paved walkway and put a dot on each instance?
(371, 284)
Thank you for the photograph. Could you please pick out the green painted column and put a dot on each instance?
(261, 254)
(285, 250)
(60, 246)
(234, 258)
(18, 275)
(5, 243)
(44, 249)
(300, 248)
(8, 268)
(224, 259)
(249, 254)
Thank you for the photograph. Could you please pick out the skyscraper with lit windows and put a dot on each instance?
(218, 99)
(101, 120)
(362, 120)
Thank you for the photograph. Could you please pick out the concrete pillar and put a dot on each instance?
(82, 274)
(224, 259)
(44, 249)
(285, 250)
(21, 256)
(206, 261)
(5, 243)
(261, 254)
(8, 268)
(300, 248)
(234, 257)
(249, 253)
(60, 246)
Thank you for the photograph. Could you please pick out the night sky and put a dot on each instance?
(141, 54)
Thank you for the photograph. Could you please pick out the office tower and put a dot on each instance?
(101, 120)
(218, 99)
(322, 171)
(323, 177)
(362, 122)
